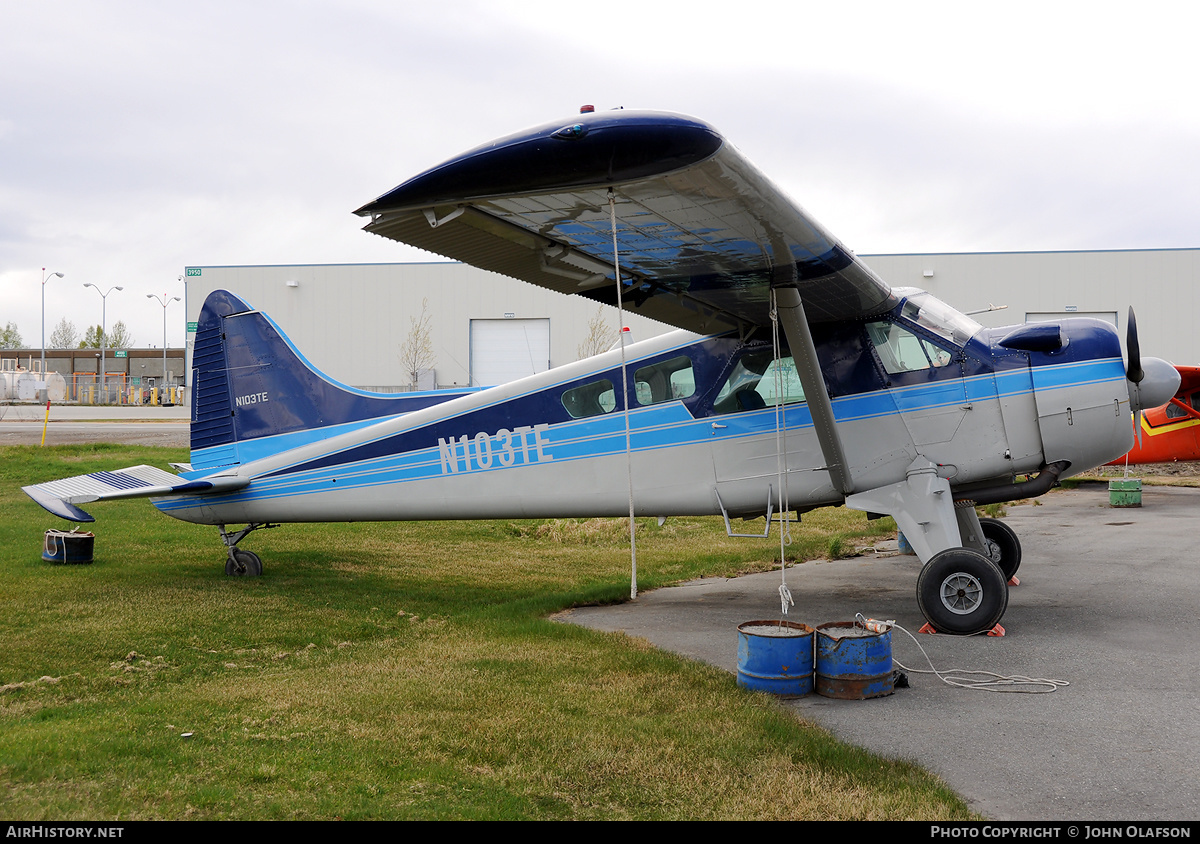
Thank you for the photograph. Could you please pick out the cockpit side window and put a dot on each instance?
(594, 399)
(757, 381)
(1174, 411)
(900, 350)
(667, 380)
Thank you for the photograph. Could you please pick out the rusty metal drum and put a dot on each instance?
(853, 663)
(775, 657)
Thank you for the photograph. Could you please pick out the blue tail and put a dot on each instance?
(254, 394)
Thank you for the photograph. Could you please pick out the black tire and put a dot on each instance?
(1003, 546)
(962, 592)
(243, 564)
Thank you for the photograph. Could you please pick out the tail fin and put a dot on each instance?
(253, 393)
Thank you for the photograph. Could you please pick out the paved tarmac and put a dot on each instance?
(21, 424)
(1107, 601)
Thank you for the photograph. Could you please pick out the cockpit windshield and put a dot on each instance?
(933, 314)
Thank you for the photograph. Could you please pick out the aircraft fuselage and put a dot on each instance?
(704, 432)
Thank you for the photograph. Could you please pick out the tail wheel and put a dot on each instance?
(1003, 546)
(962, 592)
(243, 564)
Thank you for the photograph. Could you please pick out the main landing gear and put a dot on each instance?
(1002, 545)
(242, 563)
(963, 586)
(961, 591)
(965, 590)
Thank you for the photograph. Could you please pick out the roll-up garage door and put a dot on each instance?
(504, 350)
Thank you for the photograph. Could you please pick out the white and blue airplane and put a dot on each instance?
(799, 379)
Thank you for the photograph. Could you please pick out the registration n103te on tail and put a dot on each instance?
(797, 379)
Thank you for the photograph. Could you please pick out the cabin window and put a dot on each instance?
(1174, 411)
(668, 380)
(902, 351)
(594, 399)
(758, 380)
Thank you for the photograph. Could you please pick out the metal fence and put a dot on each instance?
(119, 389)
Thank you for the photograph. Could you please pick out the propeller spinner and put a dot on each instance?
(1152, 381)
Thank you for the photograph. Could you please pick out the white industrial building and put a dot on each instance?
(1160, 284)
(350, 320)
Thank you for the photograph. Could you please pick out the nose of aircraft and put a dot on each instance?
(1159, 382)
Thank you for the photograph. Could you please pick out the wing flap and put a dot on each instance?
(61, 497)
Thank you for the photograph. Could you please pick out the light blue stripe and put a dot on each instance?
(653, 428)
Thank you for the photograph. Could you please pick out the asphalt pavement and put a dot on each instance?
(22, 424)
(1107, 602)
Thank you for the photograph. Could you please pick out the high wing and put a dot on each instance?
(61, 497)
(701, 234)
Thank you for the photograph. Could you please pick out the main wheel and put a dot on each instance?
(243, 564)
(1003, 546)
(962, 592)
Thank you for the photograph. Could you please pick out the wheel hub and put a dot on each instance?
(961, 593)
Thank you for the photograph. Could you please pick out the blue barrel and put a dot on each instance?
(63, 546)
(775, 657)
(853, 663)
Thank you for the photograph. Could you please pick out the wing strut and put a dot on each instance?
(804, 352)
(612, 211)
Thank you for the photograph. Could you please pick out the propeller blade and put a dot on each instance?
(1133, 370)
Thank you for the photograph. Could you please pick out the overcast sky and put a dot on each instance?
(138, 137)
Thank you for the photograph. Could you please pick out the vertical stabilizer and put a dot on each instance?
(254, 394)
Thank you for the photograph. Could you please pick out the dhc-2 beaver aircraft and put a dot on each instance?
(799, 379)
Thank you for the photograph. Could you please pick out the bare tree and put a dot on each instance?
(600, 336)
(65, 335)
(416, 352)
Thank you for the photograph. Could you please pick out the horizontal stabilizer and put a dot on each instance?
(60, 497)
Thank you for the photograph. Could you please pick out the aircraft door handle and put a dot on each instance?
(717, 426)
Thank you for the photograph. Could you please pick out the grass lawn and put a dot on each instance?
(398, 670)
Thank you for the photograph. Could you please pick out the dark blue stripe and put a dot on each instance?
(119, 481)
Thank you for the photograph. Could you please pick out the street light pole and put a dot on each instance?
(164, 301)
(103, 330)
(45, 278)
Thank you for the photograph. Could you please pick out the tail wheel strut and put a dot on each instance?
(242, 563)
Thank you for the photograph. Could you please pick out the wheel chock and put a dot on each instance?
(1014, 581)
(998, 630)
